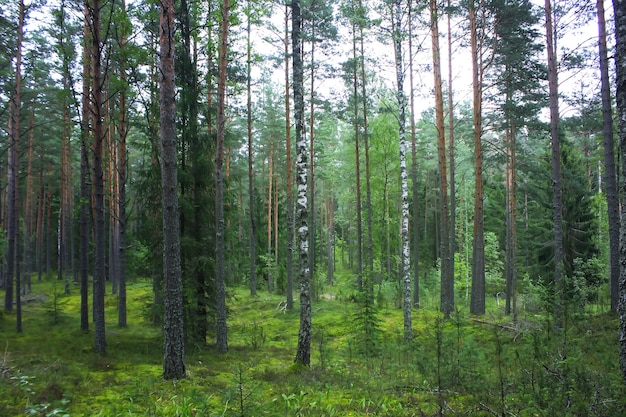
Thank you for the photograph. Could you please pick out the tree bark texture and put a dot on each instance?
(557, 204)
(289, 198)
(252, 231)
(98, 179)
(357, 161)
(121, 183)
(174, 347)
(404, 226)
(85, 179)
(12, 179)
(619, 9)
(303, 352)
(220, 280)
(610, 176)
(477, 302)
(447, 280)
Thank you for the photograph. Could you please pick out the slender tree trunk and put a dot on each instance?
(121, 181)
(405, 253)
(98, 179)
(477, 303)
(369, 246)
(357, 159)
(556, 168)
(303, 351)
(330, 240)
(452, 200)
(619, 9)
(415, 190)
(85, 200)
(270, 188)
(12, 174)
(610, 177)
(174, 347)
(311, 179)
(289, 199)
(29, 252)
(222, 329)
(447, 281)
(252, 231)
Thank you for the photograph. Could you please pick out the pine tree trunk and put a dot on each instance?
(610, 176)
(405, 253)
(447, 281)
(357, 159)
(451, 153)
(556, 168)
(121, 183)
(174, 348)
(303, 351)
(220, 282)
(369, 246)
(98, 180)
(477, 302)
(12, 181)
(85, 208)
(619, 9)
(252, 231)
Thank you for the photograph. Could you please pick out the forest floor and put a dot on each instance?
(361, 365)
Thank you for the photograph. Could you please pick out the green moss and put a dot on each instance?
(53, 367)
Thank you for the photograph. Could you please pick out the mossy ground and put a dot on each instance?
(459, 366)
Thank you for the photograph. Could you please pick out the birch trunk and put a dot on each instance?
(405, 253)
(303, 352)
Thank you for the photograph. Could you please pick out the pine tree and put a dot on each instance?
(174, 349)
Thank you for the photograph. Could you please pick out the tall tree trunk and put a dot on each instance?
(610, 177)
(477, 302)
(357, 159)
(556, 168)
(222, 330)
(289, 199)
(405, 252)
(303, 351)
(369, 246)
(28, 205)
(270, 188)
(121, 183)
(311, 179)
(619, 9)
(12, 174)
(252, 231)
(452, 200)
(85, 200)
(98, 180)
(174, 346)
(447, 281)
(414, 190)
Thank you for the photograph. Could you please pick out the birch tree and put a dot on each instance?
(303, 351)
(405, 254)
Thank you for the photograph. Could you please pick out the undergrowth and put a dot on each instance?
(361, 366)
